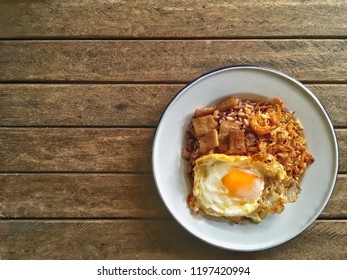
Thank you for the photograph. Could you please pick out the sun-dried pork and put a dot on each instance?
(236, 142)
(209, 141)
(203, 125)
(224, 129)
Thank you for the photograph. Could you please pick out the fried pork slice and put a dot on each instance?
(203, 125)
(224, 129)
(209, 141)
(227, 104)
(200, 112)
(236, 142)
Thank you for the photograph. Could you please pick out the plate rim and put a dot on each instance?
(296, 82)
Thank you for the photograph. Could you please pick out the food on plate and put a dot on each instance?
(241, 186)
(245, 157)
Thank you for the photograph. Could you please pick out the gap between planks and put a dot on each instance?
(110, 219)
(149, 38)
(139, 83)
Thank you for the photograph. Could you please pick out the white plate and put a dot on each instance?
(318, 181)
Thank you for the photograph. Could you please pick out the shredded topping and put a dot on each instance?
(244, 127)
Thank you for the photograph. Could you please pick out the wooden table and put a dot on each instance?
(82, 87)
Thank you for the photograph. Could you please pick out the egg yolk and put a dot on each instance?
(242, 184)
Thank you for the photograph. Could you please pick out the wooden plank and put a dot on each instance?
(151, 239)
(336, 207)
(199, 18)
(40, 149)
(89, 149)
(84, 105)
(121, 105)
(103, 195)
(79, 196)
(171, 61)
(342, 142)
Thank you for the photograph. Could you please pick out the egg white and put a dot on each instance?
(212, 197)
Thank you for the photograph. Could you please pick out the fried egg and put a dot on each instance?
(237, 187)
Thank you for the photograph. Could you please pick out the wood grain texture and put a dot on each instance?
(79, 196)
(40, 149)
(198, 18)
(143, 239)
(104, 195)
(171, 61)
(84, 105)
(337, 205)
(89, 149)
(121, 105)
(342, 142)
